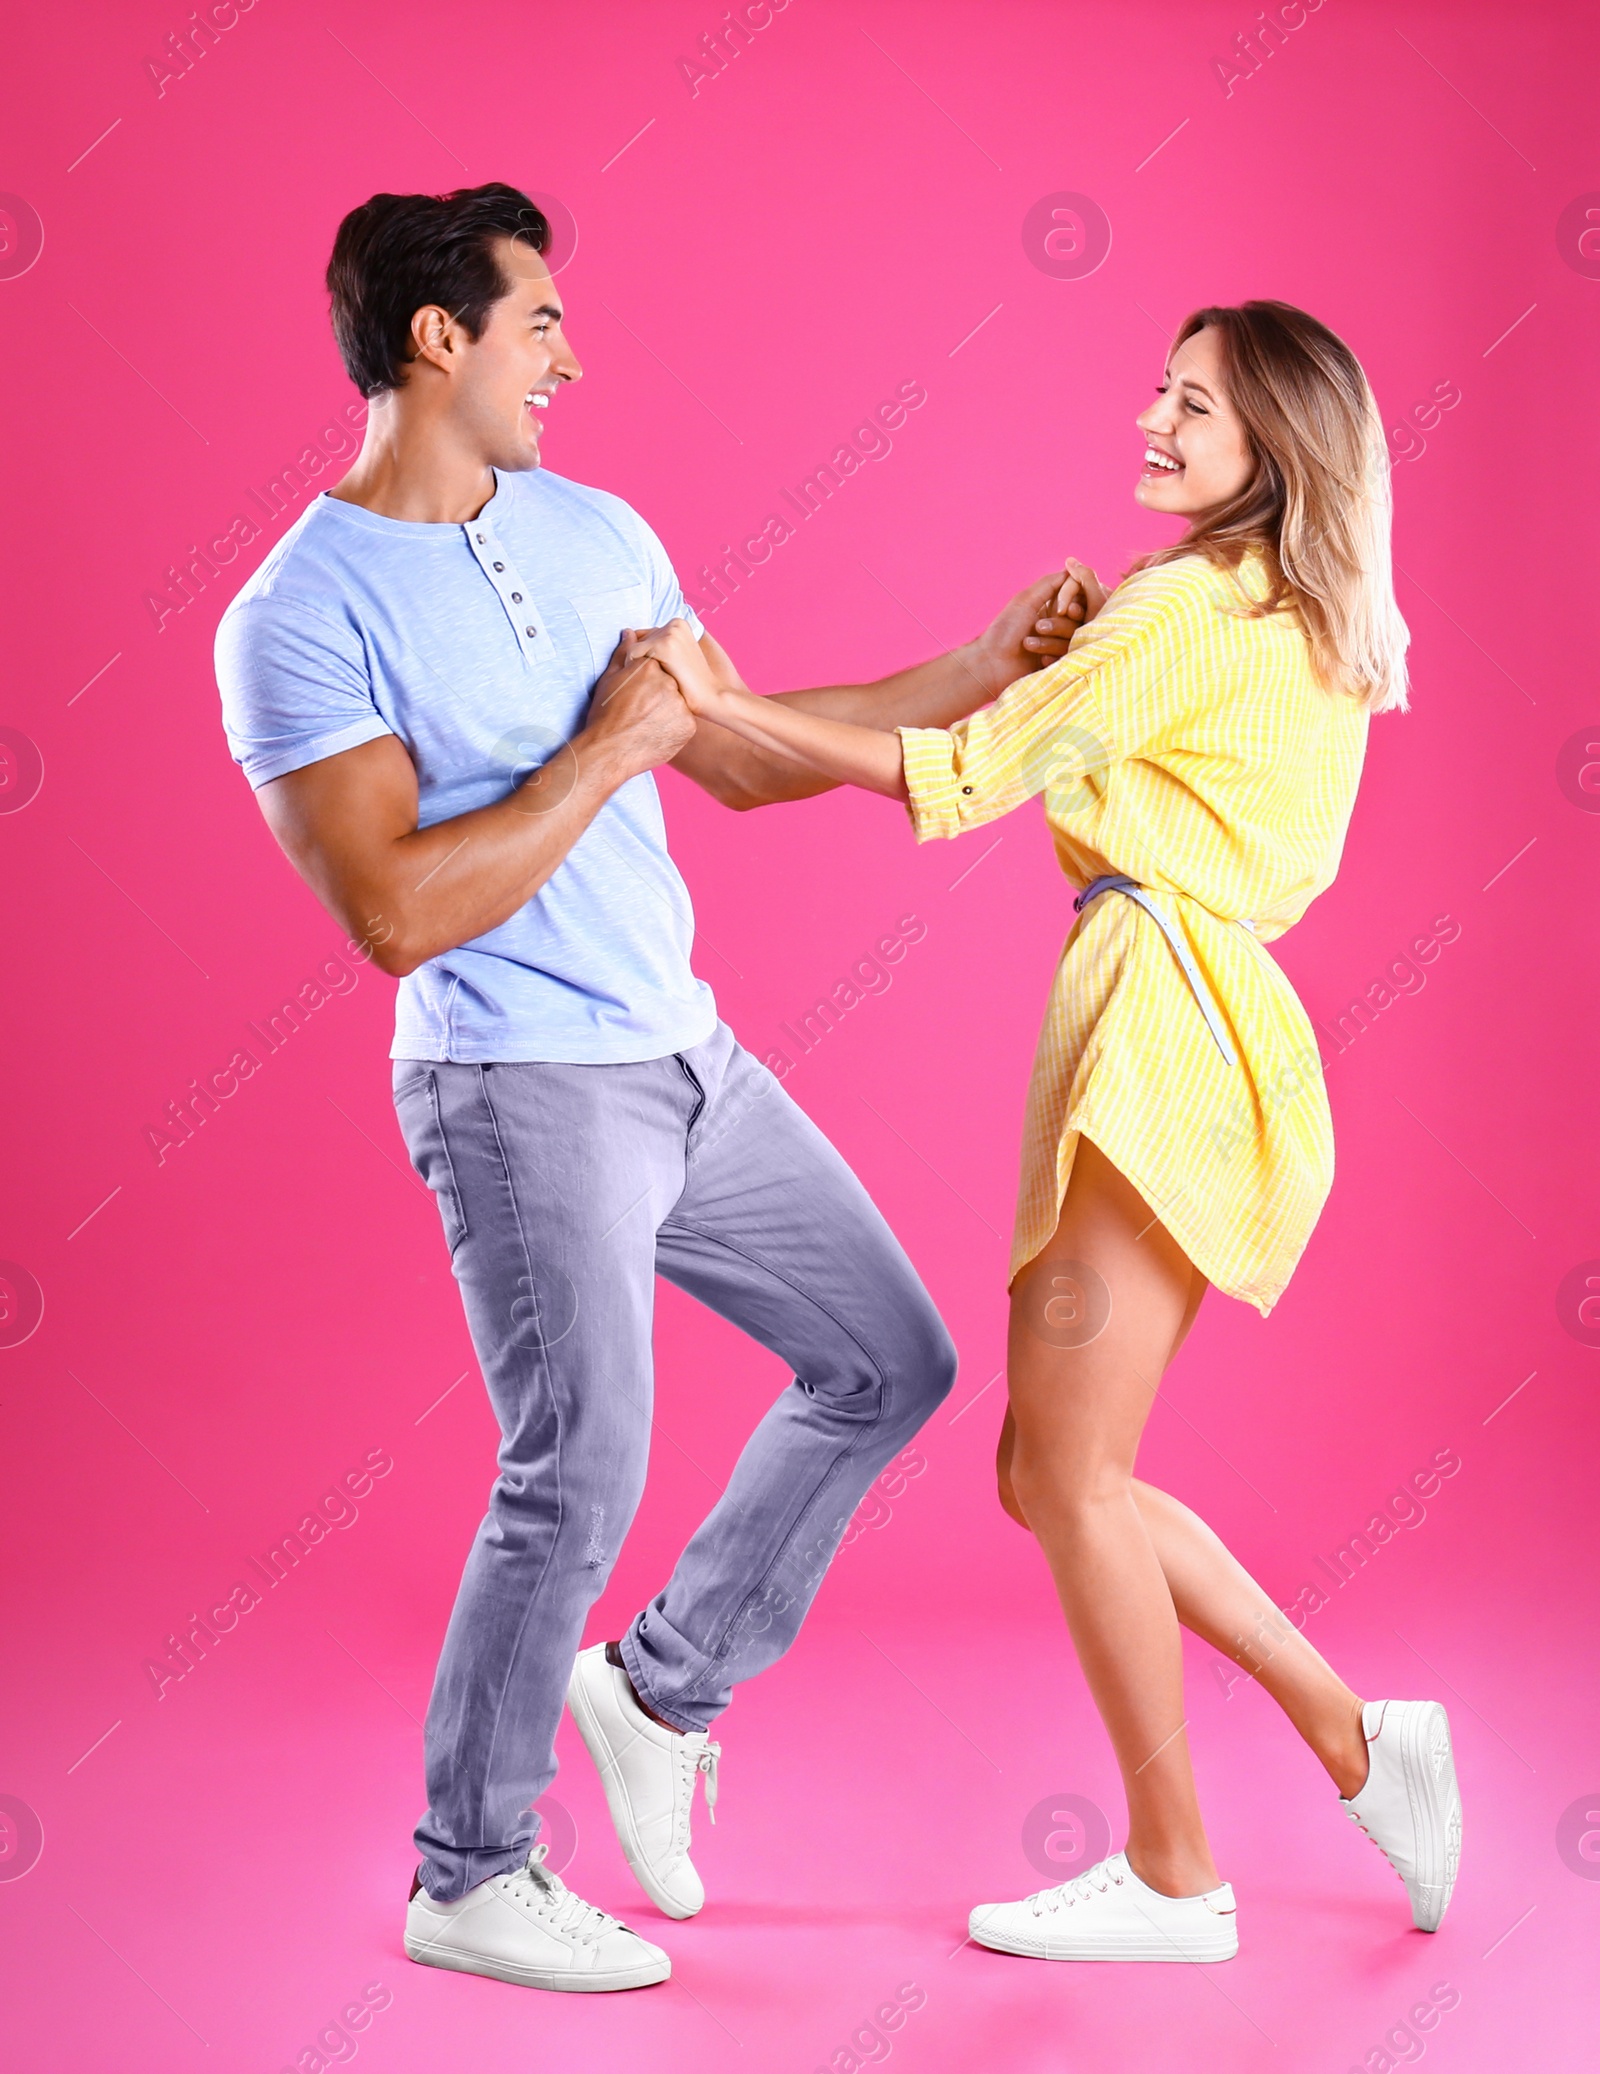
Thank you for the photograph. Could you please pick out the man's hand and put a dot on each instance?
(1034, 629)
(637, 712)
(1081, 595)
(674, 649)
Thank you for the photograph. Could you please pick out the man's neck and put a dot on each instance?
(412, 468)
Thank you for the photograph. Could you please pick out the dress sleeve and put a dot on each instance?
(1127, 676)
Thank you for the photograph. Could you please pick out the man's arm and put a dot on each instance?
(1031, 631)
(348, 824)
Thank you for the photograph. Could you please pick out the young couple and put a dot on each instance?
(449, 684)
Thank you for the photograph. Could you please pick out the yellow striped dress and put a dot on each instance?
(1190, 747)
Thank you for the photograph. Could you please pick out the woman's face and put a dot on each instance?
(1196, 455)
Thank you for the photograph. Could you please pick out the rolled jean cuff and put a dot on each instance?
(464, 1870)
(637, 1666)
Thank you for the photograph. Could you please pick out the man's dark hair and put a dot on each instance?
(399, 252)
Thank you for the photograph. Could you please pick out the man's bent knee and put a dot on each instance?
(928, 1363)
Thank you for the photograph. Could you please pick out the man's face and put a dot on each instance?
(509, 375)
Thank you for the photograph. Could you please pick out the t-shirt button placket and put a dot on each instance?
(492, 569)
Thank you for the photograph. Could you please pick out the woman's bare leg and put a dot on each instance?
(1215, 1597)
(1082, 1378)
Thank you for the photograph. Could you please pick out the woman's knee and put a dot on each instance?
(1068, 1482)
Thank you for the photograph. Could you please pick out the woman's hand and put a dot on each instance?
(675, 648)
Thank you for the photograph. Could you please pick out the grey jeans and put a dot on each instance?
(564, 1191)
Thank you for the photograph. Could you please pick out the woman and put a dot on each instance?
(1198, 749)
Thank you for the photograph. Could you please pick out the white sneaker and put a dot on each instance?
(649, 1775)
(1411, 1805)
(526, 1927)
(1109, 1913)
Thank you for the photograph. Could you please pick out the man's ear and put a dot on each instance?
(432, 339)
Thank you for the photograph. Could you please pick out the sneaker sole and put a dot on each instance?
(645, 1975)
(1156, 1949)
(594, 1741)
(1430, 1770)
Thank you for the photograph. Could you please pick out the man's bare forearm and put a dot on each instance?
(349, 824)
(411, 893)
(463, 877)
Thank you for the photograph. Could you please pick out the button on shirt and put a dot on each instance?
(478, 646)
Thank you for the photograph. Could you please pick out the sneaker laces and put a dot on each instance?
(695, 1756)
(707, 1762)
(1099, 1879)
(545, 1894)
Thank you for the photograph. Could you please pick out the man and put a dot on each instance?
(424, 683)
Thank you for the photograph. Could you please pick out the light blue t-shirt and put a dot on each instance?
(478, 645)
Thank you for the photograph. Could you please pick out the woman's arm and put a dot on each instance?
(1033, 630)
(842, 751)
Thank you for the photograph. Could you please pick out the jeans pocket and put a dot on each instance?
(416, 1101)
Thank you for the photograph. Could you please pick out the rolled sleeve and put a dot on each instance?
(932, 794)
(1122, 685)
(295, 688)
(1045, 734)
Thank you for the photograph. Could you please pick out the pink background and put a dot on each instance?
(759, 263)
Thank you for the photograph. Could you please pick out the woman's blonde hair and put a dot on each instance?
(1319, 503)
